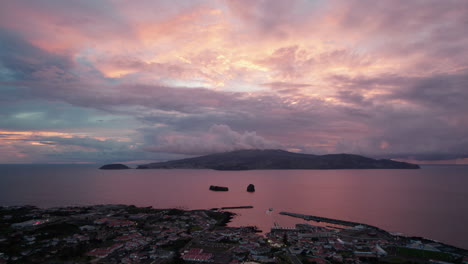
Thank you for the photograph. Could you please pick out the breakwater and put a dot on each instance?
(325, 219)
(237, 207)
(333, 221)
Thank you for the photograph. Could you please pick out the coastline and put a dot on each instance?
(85, 186)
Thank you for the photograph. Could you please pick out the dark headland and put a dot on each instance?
(275, 159)
(114, 167)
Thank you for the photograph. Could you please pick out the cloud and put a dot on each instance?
(219, 138)
(352, 97)
(27, 61)
(273, 18)
(444, 91)
(60, 147)
(384, 78)
(59, 26)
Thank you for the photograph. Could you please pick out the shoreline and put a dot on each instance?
(83, 234)
(351, 224)
(228, 216)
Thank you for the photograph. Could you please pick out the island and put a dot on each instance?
(274, 159)
(251, 188)
(218, 188)
(114, 167)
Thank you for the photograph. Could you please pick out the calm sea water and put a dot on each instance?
(431, 202)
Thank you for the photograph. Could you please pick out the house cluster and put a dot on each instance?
(197, 254)
(318, 243)
(105, 233)
(114, 222)
(128, 234)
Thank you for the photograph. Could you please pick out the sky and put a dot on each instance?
(85, 81)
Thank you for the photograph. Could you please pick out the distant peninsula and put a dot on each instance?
(275, 159)
(114, 167)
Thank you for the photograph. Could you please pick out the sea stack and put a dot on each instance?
(251, 188)
(218, 188)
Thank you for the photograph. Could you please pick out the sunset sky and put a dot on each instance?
(131, 81)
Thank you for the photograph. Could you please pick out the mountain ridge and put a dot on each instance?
(276, 159)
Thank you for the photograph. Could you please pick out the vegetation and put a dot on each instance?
(285, 240)
(58, 230)
(132, 209)
(426, 254)
(228, 241)
(74, 253)
(195, 228)
(175, 212)
(177, 259)
(176, 245)
(114, 167)
(282, 260)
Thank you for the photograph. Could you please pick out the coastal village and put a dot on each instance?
(130, 234)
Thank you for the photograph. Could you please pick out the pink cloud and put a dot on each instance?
(319, 76)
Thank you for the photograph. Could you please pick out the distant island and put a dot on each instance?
(275, 159)
(114, 167)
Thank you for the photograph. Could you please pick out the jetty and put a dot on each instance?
(237, 207)
(334, 221)
(325, 220)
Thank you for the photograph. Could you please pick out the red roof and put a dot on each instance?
(102, 220)
(201, 256)
(102, 252)
(120, 223)
(128, 237)
(197, 254)
(195, 251)
(317, 260)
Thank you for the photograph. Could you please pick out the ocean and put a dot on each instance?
(431, 202)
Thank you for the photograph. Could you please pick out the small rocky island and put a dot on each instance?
(276, 159)
(251, 188)
(114, 167)
(219, 188)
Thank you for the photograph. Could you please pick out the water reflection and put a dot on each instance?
(430, 202)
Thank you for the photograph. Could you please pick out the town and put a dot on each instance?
(130, 234)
